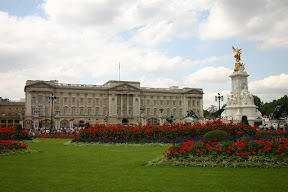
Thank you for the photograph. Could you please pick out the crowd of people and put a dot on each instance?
(61, 131)
(272, 127)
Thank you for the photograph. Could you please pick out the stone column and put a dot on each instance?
(57, 122)
(71, 123)
(121, 104)
(160, 119)
(201, 115)
(36, 122)
(28, 103)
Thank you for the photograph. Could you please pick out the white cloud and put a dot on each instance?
(153, 34)
(258, 20)
(158, 83)
(209, 76)
(270, 88)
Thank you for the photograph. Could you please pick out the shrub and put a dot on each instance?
(216, 135)
(244, 120)
(87, 125)
(18, 130)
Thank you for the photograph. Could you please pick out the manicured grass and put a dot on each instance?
(59, 167)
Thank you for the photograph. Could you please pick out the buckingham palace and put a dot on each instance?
(114, 102)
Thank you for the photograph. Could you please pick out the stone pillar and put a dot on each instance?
(28, 103)
(160, 119)
(136, 105)
(127, 105)
(36, 122)
(121, 104)
(57, 122)
(71, 123)
(201, 115)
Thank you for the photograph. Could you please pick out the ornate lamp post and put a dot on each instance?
(51, 100)
(219, 98)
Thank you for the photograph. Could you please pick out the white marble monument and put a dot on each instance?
(240, 101)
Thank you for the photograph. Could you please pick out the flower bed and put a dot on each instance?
(11, 133)
(240, 153)
(6, 145)
(229, 148)
(170, 131)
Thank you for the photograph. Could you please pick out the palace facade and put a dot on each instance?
(111, 103)
(12, 112)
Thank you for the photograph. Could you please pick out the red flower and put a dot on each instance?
(283, 154)
(228, 152)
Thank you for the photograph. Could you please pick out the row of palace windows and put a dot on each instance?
(104, 111)
(168, 102)
(10, 109)
(165, 112)
(72, 112)
(73, 100)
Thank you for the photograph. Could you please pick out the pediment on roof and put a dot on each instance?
(124, 87)
(39, 84)
(194, 91)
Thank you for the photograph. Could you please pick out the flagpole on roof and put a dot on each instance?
(119, 71)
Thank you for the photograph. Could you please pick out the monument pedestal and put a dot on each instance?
(240, 101)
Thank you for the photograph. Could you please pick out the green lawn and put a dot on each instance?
(59, 167)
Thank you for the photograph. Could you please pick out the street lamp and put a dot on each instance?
(219, 98)
(51, 100)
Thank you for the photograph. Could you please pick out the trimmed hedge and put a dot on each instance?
(216, 135)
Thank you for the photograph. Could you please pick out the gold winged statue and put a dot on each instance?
(237, 54)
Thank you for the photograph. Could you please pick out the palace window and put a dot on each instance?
(65, 111)
(148, 102)
(73, 111)
(104, 111)
(46, 111)
(65, 100)
(97, 111)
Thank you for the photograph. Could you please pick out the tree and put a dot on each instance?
(258, 102)
(268, 108)
(212, 109)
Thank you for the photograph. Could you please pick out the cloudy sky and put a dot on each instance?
(157, 42)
